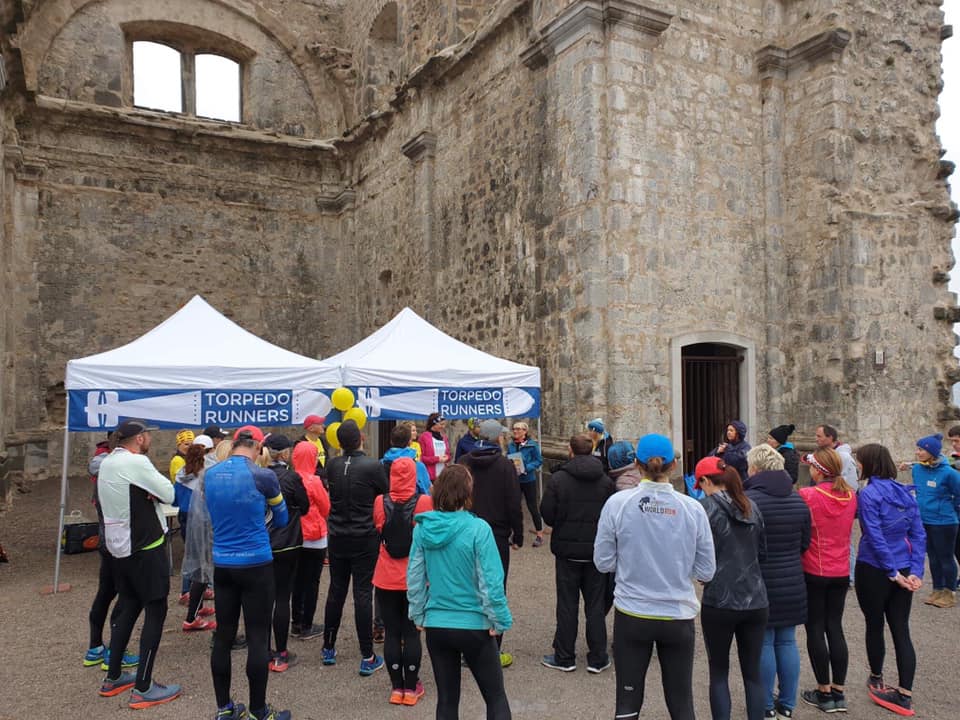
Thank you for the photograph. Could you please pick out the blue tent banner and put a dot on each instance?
(95, 410)
(398, 403)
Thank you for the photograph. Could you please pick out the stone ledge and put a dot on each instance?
(422, 145)
(337, 202)
(587, 16)
(775, 61)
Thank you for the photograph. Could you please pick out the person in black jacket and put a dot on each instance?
(735, 600)
(496, 499)
(786, 520)
(285, 543)
(778, 439)
(355, 480)
(571, 505)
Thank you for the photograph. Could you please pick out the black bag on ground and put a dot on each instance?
(397, 532)
(80, 537)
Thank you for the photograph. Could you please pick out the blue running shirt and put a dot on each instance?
(238, 493)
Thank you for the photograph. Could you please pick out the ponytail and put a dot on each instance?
(656, 469)
(730, 481)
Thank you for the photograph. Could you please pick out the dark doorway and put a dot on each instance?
(711, 397)
(384, 428)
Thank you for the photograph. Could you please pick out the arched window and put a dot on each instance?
(381, 61)
(218, 87)
(157, 77)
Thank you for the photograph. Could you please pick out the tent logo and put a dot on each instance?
(369, 400)
(102, 408)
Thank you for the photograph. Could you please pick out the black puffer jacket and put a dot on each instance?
(295, 497)
(355, 480)
(496, 493)
(740, 545)
(786, 520)
(572, 504)
(791, 461)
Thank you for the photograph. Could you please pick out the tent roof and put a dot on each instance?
(410, 352)
(228, 357)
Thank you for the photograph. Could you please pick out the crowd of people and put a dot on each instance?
(424, 536)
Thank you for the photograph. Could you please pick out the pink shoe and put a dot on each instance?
(199, 624)
(208, 594)
(206, 612)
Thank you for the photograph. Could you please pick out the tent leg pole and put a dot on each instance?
(63, 493)
(540, 469)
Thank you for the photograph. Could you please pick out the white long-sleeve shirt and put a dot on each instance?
(658, 542)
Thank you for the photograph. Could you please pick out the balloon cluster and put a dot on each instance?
(343, 400)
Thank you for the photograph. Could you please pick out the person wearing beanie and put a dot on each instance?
(938, 495)
(734, 447)
(623, 468)
(659, 543)
(601, 441)
(184, 441)
(778, 440)
(353, 543)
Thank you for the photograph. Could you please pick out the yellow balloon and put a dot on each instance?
(332, 435)
(357, 415)
(342, 399)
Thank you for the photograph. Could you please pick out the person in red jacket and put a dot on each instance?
(826, 569)
(306, 584)
(402, 651)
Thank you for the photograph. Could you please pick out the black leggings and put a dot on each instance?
(881, 599)
(306, 586)
(529, 490)
(826, 598)
(720, 626)
(284, 570)
(479, 650)
(633, 642)
(106, 592)
(401, 645)
(357, 563)
(250, 589)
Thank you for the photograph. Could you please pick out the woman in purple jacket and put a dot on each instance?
(888, 572)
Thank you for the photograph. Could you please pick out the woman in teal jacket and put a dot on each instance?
(532, 459)
(938, 495)
(455, 593)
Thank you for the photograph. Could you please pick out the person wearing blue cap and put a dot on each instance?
(938, 495)
(601, 441)
(658, 542)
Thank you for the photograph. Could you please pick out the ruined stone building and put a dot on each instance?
(681, 210)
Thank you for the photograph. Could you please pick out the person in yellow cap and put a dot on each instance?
(179, 459)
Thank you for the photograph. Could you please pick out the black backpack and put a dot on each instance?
(397, 532)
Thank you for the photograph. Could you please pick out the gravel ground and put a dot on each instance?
(44, 637)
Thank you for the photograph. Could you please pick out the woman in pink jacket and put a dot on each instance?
(306, 585)
(435, 446)
(826, 568)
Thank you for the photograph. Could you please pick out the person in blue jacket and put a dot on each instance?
(532, 460)
(734, 447)
(889, 571)
(938, 495)
(470, 441)
(400, 447)
(455, 594)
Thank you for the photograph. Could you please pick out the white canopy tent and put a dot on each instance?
(230, 378)
(409, 368)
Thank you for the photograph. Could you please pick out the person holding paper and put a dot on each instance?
(525, 454)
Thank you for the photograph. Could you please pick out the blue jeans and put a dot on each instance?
(780, 659)
(941, 542)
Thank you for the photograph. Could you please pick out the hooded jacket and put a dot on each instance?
(572, 504)
(496, 493)
(314, 521)
(735, 454)
(740, 545)
(355, 480)
(298, 504)
(938, 492)
(626, 477)
(423, 477)
(831, 521)
(467, 444)
(390, 572)
(786, 521)
(892, 535)
(454, 574)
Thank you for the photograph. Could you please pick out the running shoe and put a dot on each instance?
(597, 669)
(129, 660)
(550, 661)
(506, 660)
(199, 624)
(282, 661)
(184, 599)
(109, 688)
(206, 612)
(94, 656)
(784, 713)
(368, 666)
(412, 697)
(234, 711)
(538, 541)
(891, 699)
(157, 695)
(329, 656)
(311, 633)
(396, 696)
(208, 594)
(379, 635)
(820, 700)
(839, 701)
(268, 713)
(875, 683)
(770, 714)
